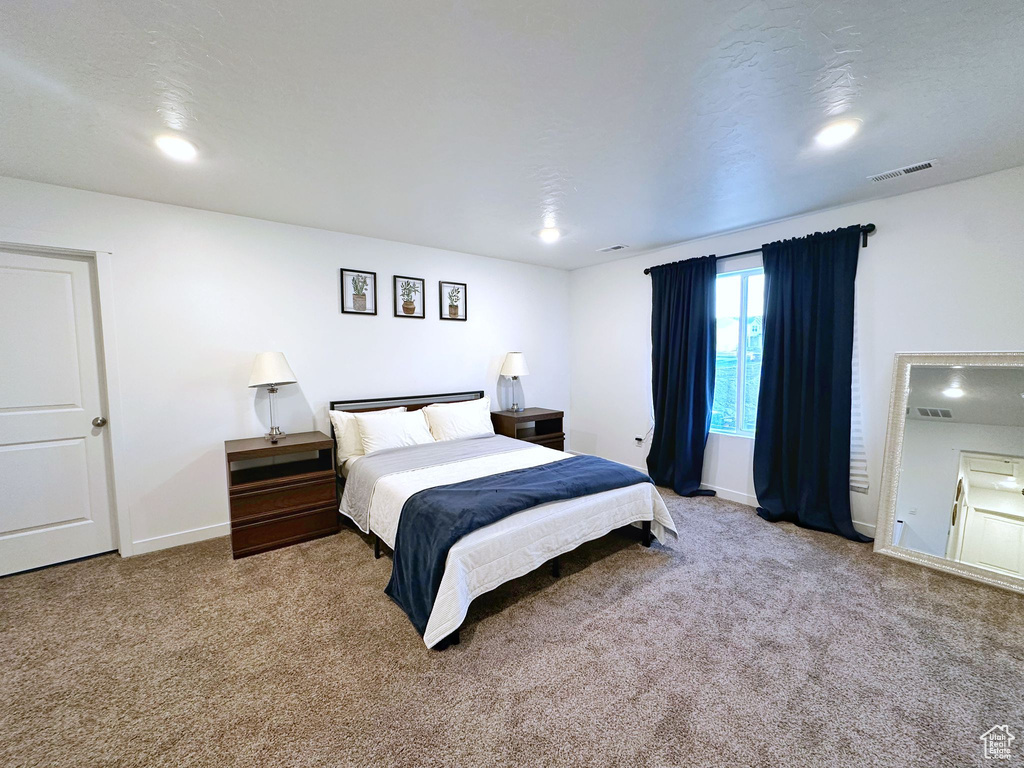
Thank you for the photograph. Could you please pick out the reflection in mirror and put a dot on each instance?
(960, 493)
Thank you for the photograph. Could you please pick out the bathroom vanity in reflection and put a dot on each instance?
(953, 481)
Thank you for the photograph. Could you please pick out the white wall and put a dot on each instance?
(928, 473)
(197, 294)
(943, 272)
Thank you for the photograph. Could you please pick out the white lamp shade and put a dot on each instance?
(270, 368)
(514, 365)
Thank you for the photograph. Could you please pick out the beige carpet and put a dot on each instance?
(742, 644)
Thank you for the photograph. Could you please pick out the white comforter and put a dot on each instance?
(515, 545)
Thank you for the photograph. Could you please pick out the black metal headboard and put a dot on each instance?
(413, 402)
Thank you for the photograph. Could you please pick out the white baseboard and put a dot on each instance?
(177, 539)
(729, 495)
(868, 529)
(725, 493)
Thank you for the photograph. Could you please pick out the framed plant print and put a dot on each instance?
(408, 297)
(358, 292)
(452, 300)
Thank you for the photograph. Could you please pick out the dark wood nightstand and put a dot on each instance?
(534, 425)
(280, 502)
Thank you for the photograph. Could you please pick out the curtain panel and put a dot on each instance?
(802, 443)
(683, 371)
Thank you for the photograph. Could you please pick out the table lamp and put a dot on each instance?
(271, 370)
(514, 367)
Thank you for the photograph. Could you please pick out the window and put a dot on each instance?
(739, 320)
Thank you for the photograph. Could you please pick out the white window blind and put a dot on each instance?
(858, 453)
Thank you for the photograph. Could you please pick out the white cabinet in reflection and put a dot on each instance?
(994, 541)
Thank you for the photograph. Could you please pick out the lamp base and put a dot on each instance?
(275, 432)
(517, 392)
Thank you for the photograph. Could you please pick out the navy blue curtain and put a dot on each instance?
(802, 444)
(683, 364)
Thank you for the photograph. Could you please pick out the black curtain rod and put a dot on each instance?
(865, 230)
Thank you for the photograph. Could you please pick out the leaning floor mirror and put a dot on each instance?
(953, 479)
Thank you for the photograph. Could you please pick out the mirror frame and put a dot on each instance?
(892, 462)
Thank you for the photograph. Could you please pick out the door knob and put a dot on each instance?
(99, 421)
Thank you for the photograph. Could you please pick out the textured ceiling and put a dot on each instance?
(993, 396)
(462, 124)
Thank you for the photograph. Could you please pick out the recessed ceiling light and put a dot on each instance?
(177, 148)
(836, 133)
(956, 386)
(550, 234)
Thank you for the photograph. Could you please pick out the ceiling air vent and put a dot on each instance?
(611, 248)
(897, 172)
(935, 413)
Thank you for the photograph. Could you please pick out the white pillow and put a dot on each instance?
(346, 433)
(449, 421)
(388, 429)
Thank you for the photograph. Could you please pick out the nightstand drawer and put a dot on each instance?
(255, 501)
(252, 537)
(554, 441)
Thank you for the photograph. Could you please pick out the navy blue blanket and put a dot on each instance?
(434, 519)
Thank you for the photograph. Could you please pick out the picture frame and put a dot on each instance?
(449, 292)
(409, 296)
(358, 292)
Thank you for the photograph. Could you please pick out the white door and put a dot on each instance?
(54, 503)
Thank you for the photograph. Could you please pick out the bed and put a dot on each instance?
(373, 490)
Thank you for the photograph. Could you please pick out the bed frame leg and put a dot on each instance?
(647, 534)
(556, 568)
(376, 547)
